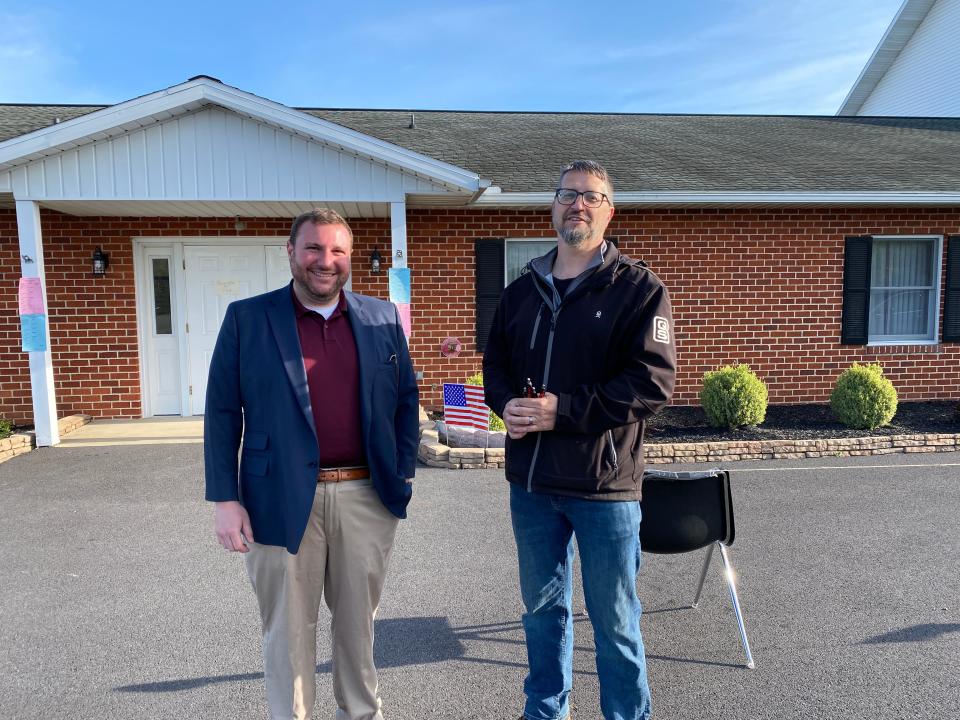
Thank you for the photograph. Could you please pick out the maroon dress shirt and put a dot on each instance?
(333, 377)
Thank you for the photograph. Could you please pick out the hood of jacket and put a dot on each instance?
(606, 265)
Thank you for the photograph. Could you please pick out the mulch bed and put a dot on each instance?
(801, 422)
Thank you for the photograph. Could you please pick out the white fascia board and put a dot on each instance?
(196, 93)
(659, 199)
(898, 34)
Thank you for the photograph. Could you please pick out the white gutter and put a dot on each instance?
(493, 197)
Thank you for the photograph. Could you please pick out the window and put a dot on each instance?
(499, 262)
(904, 275)
(161, 297)
(891, 289)
(520, 252)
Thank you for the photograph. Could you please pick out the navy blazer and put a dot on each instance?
(257, 391)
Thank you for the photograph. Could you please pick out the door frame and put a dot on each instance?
(178, 302)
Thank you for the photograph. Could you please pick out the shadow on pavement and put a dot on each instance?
(914, 633)
(690, 661)
(399, 642)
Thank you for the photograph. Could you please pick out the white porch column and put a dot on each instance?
(398, 234)
(41, 363)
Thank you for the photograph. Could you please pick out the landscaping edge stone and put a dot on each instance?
(660, 453)
(433, 453)
(21, 443)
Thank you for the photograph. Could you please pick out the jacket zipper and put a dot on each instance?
(546, 377)
(613, 452)
(536, 326)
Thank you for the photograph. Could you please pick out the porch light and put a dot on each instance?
(100, 261)
(375, 261)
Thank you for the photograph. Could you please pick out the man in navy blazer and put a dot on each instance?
(310, 440)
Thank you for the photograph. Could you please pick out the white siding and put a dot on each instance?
(924, 80)
(214, 155)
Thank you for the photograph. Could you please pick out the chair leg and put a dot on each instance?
(703, 575)
(731, 585)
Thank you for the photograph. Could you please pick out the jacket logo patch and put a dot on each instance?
(661, 330)
(598, 314)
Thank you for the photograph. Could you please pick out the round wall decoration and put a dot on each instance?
(450, 347)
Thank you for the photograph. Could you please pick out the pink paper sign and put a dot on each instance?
(31, 296)
(404, 309)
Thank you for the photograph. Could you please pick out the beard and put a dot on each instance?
(574, 237)
(313, 291)
(324, 298)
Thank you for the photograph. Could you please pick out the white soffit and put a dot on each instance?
(218, 209)
(898, 34)
(158, 112)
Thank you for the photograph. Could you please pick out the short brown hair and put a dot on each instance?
(318, 216)
(590, 167)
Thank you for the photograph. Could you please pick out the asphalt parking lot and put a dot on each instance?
(116, 602)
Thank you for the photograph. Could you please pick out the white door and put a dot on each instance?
(163, 356)
(278, 266)
(215, 276)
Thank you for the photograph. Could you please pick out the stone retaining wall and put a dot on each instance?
(435, 454)
(16, 444)
(787, 449)
(20, 443)
(70, 423)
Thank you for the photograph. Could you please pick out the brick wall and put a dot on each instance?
(92, 321)
(757, 286)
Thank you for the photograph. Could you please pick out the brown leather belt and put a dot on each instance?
(327, 475)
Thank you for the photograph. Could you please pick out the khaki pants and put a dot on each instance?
(343, 558)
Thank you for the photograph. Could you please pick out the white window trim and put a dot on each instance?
(506, 270)
(937, 290)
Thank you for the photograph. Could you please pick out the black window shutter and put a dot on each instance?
(855, 318)
(951, 297)
(489, 256)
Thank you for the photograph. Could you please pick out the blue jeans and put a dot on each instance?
(609, 543)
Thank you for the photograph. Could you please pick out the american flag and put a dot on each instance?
(463, 406)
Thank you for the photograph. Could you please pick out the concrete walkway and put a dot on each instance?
(146, 431)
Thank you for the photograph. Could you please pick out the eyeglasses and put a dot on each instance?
(591, 198)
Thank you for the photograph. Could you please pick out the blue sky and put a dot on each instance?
(719, 56)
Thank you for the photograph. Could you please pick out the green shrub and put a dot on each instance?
(495, 422)
(733, 396)
(6, 427)
(863, 398)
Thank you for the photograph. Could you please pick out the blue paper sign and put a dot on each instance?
(33, 332)
(400, 285)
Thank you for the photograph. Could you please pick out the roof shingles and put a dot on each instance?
(523, 152)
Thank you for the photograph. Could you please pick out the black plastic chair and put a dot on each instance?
(686, 511)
